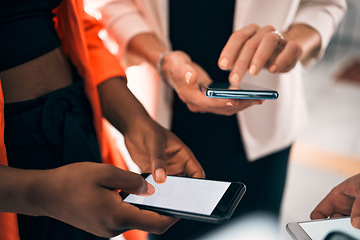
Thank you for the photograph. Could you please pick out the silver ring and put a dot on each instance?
(280, 36)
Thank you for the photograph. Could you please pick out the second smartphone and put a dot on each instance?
(245, 91)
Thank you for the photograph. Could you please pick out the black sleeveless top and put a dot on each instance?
(201, 29)
(26, 30)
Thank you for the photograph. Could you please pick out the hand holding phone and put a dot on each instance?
(191, 198)
(323, 229)
(244, 91)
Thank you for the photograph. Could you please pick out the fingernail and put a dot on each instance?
(252, 70)
(356, 222)
(273, 68)
(230, 104)
(235, 78)
(150, 190)
(224, 63)
(160, 175)
(188, 77)
(258, 102)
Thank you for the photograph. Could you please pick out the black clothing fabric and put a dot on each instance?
(45, 133)
(27, 30)
(201, 29)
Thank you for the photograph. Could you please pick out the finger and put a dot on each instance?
(192, 167)
(324, 209)
(244, 59)
(290, 53)
(198, 98)
(233, 46)
(146, 220)
(189, 74)
(156, 148)
(355, 213)
(267, 48)
(116, 178)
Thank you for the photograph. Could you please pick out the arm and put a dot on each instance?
(93, 186)
(343, 200)
(152, 147)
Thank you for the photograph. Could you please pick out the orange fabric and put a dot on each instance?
(79, 36)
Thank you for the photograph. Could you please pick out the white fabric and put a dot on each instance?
(264, 129)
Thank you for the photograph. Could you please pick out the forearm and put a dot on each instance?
(307, 38)
(19, 190)
(120, 107)
(147, 46)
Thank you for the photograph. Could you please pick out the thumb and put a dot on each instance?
(156, 148)
(355, 213)
(130, 182)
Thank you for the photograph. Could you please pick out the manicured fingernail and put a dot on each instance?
(356, 222)
(230, 104)
(188, 77)
(224, 63)
(252, 70)
(235, 78)
(160, 175)
(273, 68)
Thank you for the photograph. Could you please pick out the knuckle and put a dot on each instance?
(253, 25)
(269, 28)
(239, 36)
(192, 108)
(261, 57)
(241, 65)
(252, 44)
(111, 227)
(271, 37)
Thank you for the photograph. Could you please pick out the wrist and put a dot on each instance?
(159, 64)
(37, 192)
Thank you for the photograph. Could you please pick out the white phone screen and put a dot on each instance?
(320, 229)
(183, 194)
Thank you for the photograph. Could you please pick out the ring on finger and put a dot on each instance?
(279, 35)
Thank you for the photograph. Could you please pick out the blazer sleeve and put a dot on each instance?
(122, 19)
(322, 15)
(104, 64)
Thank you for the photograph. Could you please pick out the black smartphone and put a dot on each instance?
(219, 89)
(191, 198)
(323, 229)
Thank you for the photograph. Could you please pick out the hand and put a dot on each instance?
(189, 80)
(253, 48)
(86, 196)
(343, 200)
(157, 150)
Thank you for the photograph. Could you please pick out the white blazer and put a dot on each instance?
(265, 128)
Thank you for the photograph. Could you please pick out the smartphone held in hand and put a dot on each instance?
(326, 229)
(244, 91)
(191, 198)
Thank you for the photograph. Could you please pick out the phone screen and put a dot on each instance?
(183, 194)
(321, 228)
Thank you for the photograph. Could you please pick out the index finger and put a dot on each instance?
(324, 209)
(156, 147)
(233, 46)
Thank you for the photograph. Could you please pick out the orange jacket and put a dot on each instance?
(79, 36)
